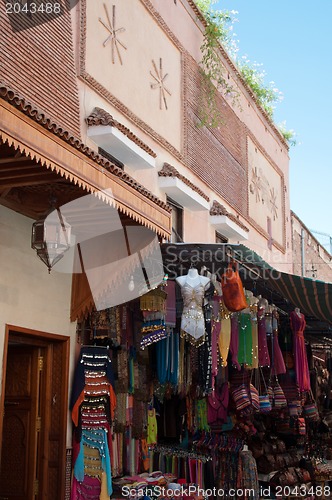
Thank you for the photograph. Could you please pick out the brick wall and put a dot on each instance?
(216, 155)
(39, 64)
(317, 261)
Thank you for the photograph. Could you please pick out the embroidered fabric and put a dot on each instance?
(192, 321)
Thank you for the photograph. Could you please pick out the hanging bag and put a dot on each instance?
(232, 289)
(253, 393)
(264, 399)
(310, 410)
(241, 397)
(279, 399)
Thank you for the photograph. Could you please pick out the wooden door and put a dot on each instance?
(21, 437)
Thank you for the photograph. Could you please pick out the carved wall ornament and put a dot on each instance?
(255, 185)
(260, 187)
(159, 79)
(273, 203)
(112, 34)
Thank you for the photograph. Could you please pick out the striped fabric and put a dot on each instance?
(241, 397)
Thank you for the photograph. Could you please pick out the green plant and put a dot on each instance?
(253, 75)
(288, 134)
(212, 72)
(219, 30)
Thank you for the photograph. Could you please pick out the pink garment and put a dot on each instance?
(90, 488)
(170, 304)
(234, 345)
(278, 363)
(263, 352)
(298, 325)
(215, 332)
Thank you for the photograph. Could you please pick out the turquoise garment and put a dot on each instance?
(94, 439)
(167, 353)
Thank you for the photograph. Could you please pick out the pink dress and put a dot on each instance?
(278, 363)
(298, 325)
(263, 351)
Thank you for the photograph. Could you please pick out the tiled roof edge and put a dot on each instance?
(219, 209)
(101, 117)
(170, 171)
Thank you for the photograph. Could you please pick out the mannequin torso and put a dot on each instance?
(193, 279)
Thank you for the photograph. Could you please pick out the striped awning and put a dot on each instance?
(313, 297)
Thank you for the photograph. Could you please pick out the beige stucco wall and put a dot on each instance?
(149, 35)
(134, 67)
(29, 296)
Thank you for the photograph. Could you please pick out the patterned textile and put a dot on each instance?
(247, 478)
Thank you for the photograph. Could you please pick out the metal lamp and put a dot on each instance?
(51, 237)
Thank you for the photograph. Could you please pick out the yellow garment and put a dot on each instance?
(152, 427)
(103, 491)
(254, 332)
(224, 340)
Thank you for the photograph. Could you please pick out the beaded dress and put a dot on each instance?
(192, 320)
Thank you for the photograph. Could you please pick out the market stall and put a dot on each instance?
(198, 383)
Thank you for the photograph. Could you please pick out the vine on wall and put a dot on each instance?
(219, 30)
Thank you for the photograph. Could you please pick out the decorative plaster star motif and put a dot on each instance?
(256, 184)
(273, 203)
(113, 34)
(160, 78)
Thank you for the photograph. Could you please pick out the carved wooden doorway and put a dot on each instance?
(34, 404)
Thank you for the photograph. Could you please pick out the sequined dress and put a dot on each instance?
(192, 320)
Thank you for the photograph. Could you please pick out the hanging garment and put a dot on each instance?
(278, 363)
(247, 477)
(215, 333)
(95, 363)
(170, 319)
(245, 339)
(94, 439)
(254, 334)
(152, 427)
(263, 352)
(224, 339)
(298, 325)
(234, 344)
(192, 320)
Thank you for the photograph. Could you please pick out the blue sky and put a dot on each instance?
(293, 41)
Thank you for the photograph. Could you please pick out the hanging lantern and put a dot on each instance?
(51, 237)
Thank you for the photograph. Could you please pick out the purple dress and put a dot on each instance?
(263, 351)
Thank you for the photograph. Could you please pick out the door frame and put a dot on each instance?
(45, 340)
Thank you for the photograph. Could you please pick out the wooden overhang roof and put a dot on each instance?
(39, 152)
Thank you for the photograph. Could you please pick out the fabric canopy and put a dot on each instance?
(313, 297)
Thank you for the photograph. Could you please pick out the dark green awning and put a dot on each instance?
(313, 297)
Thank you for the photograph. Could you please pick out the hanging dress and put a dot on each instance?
(263, 352)
(192, 320)
(224, 339)
(234, 345)
(245, 339)
(278, 363)
(298, 325)
(254, 334)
